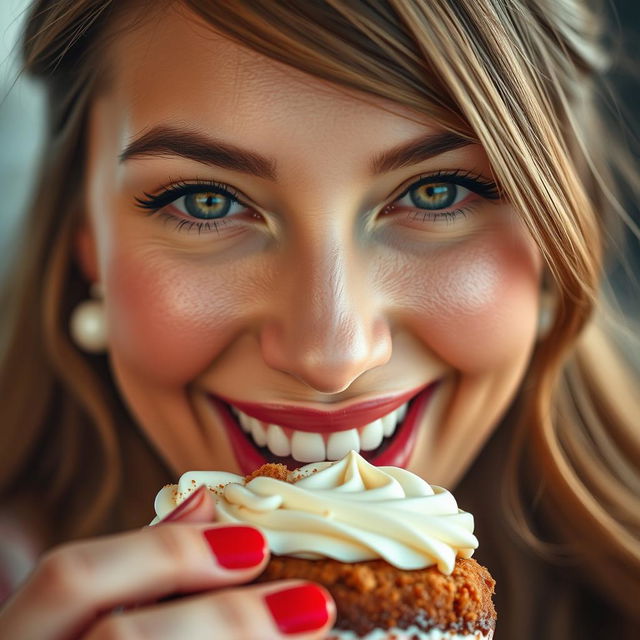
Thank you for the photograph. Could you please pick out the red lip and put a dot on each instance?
(319, 421)
(396, 452)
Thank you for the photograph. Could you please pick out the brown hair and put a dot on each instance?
(522, 78)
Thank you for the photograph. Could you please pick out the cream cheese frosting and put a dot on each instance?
(349, 510)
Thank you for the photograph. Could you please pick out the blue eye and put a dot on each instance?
(208, 205)
(206, 201)
(440, 192)
(436, 195)
(198, 206)
(442, 197)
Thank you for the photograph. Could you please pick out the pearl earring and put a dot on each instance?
(546, 314)
(88, 324)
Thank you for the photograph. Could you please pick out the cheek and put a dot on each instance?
(477, 305)
(169, 319)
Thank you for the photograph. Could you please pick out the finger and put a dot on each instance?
(198, 507)
(76, 583)
(291, 609)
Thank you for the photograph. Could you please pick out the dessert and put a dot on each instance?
(394, 551)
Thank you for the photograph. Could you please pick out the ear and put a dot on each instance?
(85, 251)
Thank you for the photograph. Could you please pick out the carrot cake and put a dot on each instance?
(393, 551)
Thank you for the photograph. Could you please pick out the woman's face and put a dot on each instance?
(287, 267)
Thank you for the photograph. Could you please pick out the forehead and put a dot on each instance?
(173, 68)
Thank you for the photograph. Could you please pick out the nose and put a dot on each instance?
(328, 328)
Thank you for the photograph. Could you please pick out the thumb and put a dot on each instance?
(198, 507)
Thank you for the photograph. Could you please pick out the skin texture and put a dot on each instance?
(314, 295)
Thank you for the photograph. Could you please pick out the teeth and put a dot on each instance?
(307, 447)
(341, 442)
(389, 423)
(371, 436)
(258, 432)
(314, 447)
(277, 441)
(244, 420)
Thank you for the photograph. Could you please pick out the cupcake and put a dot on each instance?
(393, 551)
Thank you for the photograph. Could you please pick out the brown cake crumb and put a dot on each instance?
(270, 470)
(375, 594)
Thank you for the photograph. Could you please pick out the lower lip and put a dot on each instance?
(395, 453)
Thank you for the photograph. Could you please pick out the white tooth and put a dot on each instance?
(244, 420)
(341, 442)
(277, 441)
(389, 424)
(258, 432)
(307, 447)
(402, 412)
(371, 436)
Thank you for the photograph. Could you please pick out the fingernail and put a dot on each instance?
(299, 609)
(186, 506)
(237, 547)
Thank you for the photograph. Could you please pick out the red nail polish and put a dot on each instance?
(237, 546)
(299, 609)
(186, 506)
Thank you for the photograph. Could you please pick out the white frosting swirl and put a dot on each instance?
(348, 510)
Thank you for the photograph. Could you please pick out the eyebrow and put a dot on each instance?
(417, 151)
(163, 140)
(173, 141)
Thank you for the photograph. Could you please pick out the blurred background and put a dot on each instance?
(21, 117)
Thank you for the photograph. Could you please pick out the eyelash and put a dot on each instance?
(481, 186)
(153, 203)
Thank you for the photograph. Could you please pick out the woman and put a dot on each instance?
(279, 207)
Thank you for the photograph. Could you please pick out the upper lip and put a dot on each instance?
(322, 420)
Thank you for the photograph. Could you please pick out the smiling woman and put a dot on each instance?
(310, 228)
(316, 299)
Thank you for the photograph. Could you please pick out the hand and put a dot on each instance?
(114, 587)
